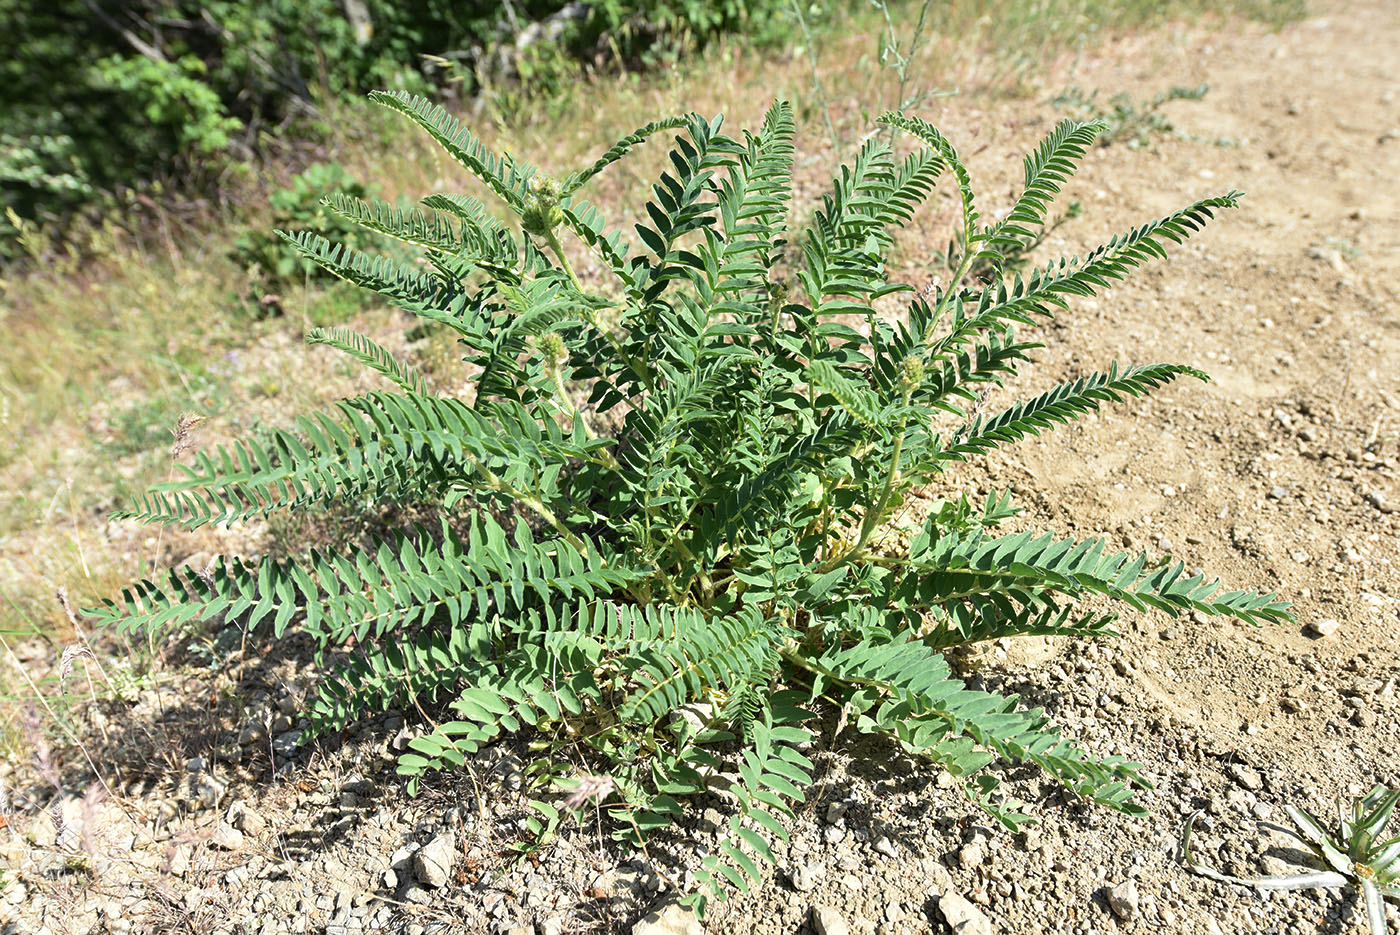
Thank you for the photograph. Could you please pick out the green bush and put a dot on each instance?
(163, 89)
(669, 507)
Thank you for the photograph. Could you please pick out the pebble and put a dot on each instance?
(883, 846)
(252, 733)
(962, 916)
(1379, 501)
(43, 832)
(227, 838)
(205, 792)
(803, 877)
(286, 743)
(432, 864)
(1245, 776)
(671, 919)
(1324, 627)
(1123, 899)
(1277, 493)
(827, 921)
(971, 856)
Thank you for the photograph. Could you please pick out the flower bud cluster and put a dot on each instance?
(911, 374)
(552, 350)
(542, 212)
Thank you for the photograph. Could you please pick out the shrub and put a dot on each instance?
(164, 80)
(672, 490)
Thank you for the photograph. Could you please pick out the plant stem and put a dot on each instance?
(571, 409)
(496, 483)
(552, 239)
(877, 513)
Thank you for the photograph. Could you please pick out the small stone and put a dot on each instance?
(834, 812)
(251, 734)
(286, 744)
(197, 764)
(671, 919)
(962, 916)
(245, 819)
(1123, 899)
(803, 877)
(432, 864)
(43, 832)
(1324, 627)
(402, 858)
(1277, 493)
(205, 792)
(883, 846)
(698, 715)
(711, 820)
(178, 860)
(971, 856)
(827, 921)
(1378, 500)
(227, 838)
(1245, 776)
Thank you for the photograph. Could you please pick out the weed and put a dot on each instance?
(1353, 853)
(677, 489)
(1135, 124)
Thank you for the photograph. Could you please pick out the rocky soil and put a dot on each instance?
(1281, 474)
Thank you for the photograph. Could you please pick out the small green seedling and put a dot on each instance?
(1354, 855)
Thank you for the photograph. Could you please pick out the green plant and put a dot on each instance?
(671, 490)
(1125, 120)
(1027, 223)
(1352, 853)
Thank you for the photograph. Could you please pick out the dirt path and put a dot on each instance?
(1282, 473)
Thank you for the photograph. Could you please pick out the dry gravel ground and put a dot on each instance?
(1279, 474)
